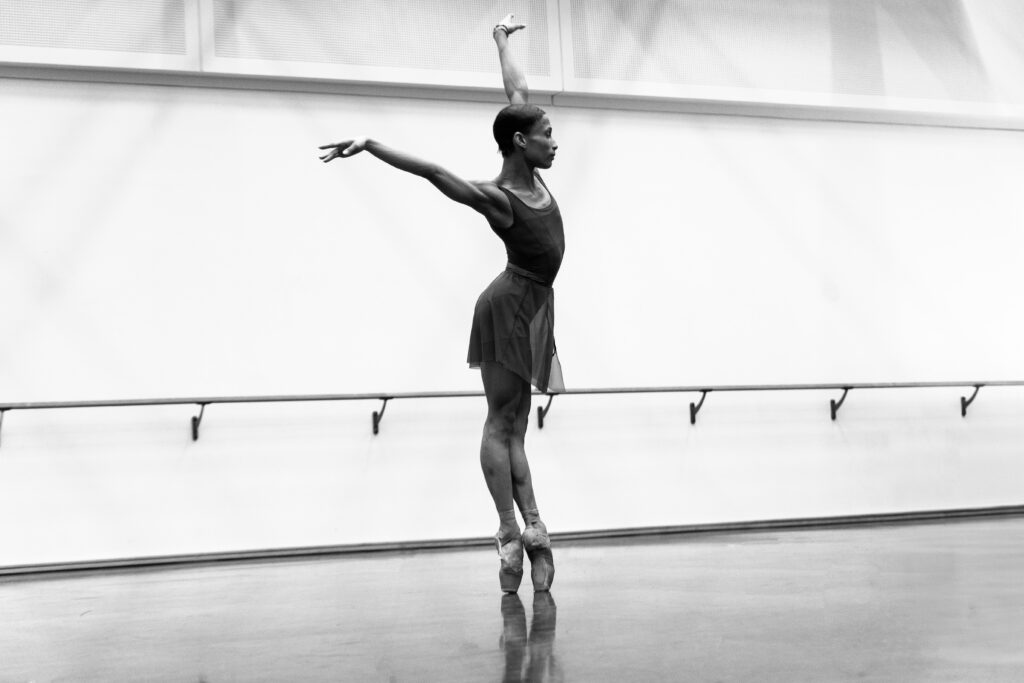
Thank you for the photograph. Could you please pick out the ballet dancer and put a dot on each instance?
(512, 337)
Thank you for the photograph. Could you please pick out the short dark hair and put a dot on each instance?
(515, 118)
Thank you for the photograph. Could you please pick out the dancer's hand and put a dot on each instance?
(345, 148)
(509, 25)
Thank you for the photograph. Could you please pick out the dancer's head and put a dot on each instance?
(525, 129)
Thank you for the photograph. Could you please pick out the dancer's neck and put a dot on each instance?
(517, 173)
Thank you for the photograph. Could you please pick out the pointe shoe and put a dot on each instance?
(542, 562)
(510, 574)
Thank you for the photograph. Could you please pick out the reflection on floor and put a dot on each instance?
(924, 602)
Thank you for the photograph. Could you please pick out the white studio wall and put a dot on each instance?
(159, 241)
(951, 61)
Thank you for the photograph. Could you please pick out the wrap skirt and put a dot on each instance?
(514, 326)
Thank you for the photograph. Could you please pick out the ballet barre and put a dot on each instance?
(542, 412)
(834, 405)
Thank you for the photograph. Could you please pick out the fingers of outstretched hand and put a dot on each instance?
(333, 147)
(509, 22)
(340, 149)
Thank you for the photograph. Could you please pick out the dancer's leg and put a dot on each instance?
(522, 482)
(536, 541)
(504, 390)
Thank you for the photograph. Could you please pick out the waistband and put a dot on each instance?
(527, 274)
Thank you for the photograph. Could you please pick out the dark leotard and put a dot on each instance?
(513, 322)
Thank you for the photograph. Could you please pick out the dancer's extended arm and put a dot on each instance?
(484, 197)
(511, 75)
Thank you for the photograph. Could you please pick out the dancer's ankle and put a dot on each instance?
(531, 517)
(508, 527)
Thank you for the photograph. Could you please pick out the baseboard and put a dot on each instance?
(191, 560)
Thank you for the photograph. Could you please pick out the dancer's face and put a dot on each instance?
(540, 144)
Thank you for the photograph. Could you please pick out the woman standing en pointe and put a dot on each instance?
(512, 336)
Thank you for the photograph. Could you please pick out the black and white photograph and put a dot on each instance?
(284, 395)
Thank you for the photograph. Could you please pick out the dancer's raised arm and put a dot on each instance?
(511, 75)
(484, 197)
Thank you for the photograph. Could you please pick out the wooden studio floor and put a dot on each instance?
(912, 602)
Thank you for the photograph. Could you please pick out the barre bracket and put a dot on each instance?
(964, 402)
(541, 412)
(694, 409)
(836, 406)
(197, 420)
(377, 417)
(2, 411)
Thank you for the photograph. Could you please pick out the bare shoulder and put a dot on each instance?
(493, 193)
(490, 188)
(499, 209)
